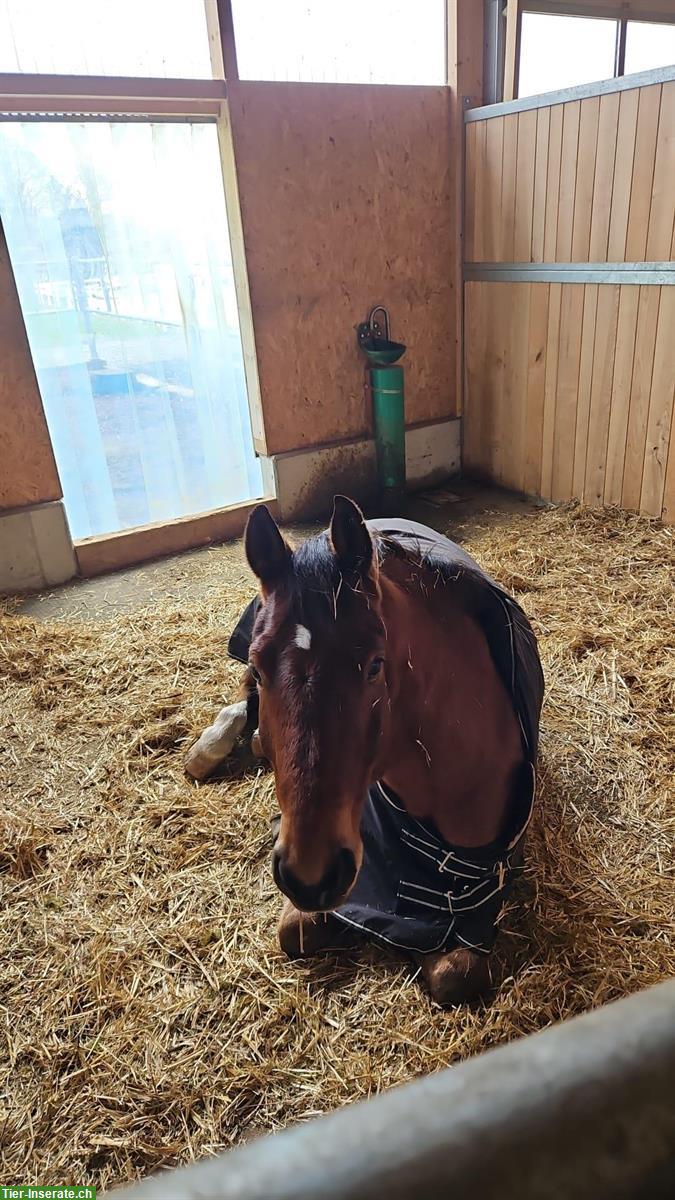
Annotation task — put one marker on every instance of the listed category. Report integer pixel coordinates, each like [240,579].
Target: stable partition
[569,306]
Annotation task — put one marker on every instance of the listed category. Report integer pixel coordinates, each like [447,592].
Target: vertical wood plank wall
[570,386]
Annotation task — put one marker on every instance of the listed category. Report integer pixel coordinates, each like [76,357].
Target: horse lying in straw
[396,691]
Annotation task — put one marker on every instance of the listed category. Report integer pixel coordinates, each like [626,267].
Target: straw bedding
[147,1015]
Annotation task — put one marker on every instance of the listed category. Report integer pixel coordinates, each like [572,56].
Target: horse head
[318,655]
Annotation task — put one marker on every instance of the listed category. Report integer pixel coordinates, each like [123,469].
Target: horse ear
[349,535]
[269,556]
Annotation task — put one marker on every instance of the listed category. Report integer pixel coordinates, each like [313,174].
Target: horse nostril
[322,895]
[338,877]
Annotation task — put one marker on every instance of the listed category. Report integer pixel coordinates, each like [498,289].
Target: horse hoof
[456,977]
[303,934]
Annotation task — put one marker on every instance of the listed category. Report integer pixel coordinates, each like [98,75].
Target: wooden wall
[570,391]
[586,181]
[346,201]
[570,385]
[28,472]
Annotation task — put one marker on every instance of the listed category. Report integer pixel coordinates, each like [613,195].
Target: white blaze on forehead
[303,638]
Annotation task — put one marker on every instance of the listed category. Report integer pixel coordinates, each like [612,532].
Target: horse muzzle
[330,891]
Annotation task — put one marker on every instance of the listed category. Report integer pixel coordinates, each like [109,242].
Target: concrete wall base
[36,550]
[305,481]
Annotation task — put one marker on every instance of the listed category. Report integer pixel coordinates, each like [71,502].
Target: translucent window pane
[649,46]
[560,52]
[321,41]
[160,38]
[119,243]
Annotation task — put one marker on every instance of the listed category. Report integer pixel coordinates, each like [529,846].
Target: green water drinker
[387,391]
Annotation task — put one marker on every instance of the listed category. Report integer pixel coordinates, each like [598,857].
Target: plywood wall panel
[347,198]
[28,472]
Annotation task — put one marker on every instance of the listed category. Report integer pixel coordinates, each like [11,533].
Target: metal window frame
[581,92]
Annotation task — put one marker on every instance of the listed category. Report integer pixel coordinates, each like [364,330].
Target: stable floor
[148,1016]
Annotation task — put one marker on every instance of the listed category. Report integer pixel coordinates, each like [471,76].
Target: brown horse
[397,693]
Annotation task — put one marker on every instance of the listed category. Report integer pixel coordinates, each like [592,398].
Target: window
[161,38]
[113,203]
[649,46]
[560,51]
[118,238]
[341,41]
[563,50]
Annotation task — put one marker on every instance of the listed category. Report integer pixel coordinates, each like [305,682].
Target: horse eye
[254,672]
[375,668]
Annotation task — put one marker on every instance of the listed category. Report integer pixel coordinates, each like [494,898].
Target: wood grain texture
[525,165]
[640,392]
[495,416]
[540,175]
[509,169]
[472,132]
[603,183]
[589,114]
[568,180]
[553,181]
[668,510]
[536,377]
[623,174]
[643,173]
[113,551]
[346,199]
[28,472]
[569,359]
[660,415]
[474,457]
[550,388]
[662,208]
[492,197]
[514,407]
[619,405]
[584,393]
[601,393]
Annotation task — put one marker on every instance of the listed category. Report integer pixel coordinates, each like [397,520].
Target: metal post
[585,1109]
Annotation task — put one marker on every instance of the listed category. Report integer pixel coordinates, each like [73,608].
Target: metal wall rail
[581,92]
[585,1109]
[571,272]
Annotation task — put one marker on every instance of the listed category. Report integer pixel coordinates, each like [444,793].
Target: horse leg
[455,977]
[218,740]
[303,934]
